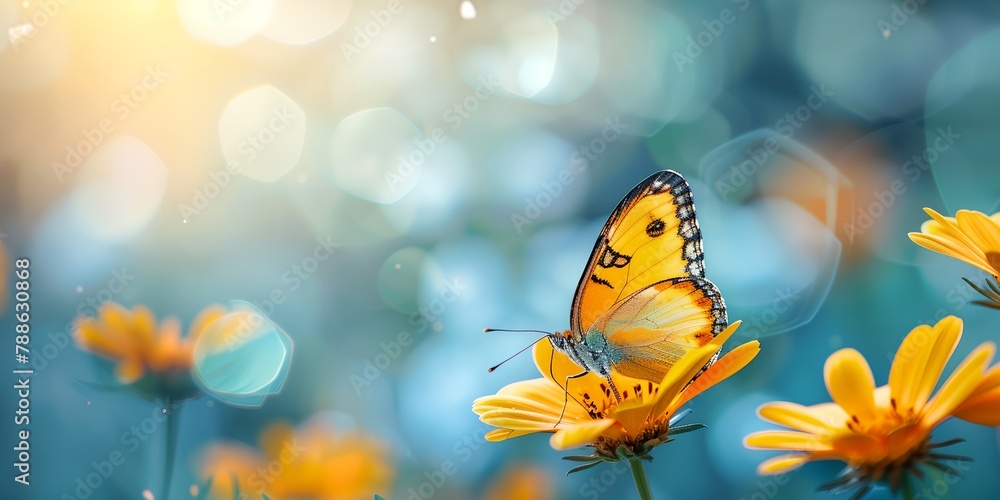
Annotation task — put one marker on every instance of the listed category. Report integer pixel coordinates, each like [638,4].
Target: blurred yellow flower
[882,433]
[314,462]
[592,416]
[137,344]
[970,236]
[520,482]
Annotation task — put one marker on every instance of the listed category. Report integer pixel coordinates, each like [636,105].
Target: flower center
[993,258]
[894,471]
[651,435]
[604,404]
[885,422]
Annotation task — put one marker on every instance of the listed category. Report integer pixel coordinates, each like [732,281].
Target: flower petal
[950,229]
[275,438]
[919,362]
[203,319]
[982,230]
[851,446]
[129,371]
[990,381]
[722,369]
[796,416]
[497,435]
[911,356]
[143,326]
[785,440]
[521,419]
[782,464]
[632,414]
[934,227]
[163,354]
[91,337]
[224,463]
[982,408]
[538,402]
[850,383]
[953,249]
[962,384]
[580,434]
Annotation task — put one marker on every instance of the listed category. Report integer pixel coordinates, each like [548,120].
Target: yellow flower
[881,433]
[137,344]
[592,416]
[313,462]
[970,236]
[520,482]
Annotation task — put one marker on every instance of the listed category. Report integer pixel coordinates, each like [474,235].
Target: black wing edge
[656,183]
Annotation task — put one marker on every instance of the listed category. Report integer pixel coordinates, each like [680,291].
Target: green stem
[639,476]
[173,418]
[907,490]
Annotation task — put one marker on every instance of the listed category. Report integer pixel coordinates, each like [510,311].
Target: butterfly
[643,300]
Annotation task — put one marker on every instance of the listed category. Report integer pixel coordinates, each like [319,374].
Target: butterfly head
[561,340]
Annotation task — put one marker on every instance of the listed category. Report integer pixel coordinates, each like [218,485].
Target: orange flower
[137,344]
[313,462]
[592,416]
[883,433]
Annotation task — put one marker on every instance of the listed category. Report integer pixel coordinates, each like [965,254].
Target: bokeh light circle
[34,49]
[399,279]
[873,75]
[262,132]
[299,22]
[378,154]
[242,357]
[224,22]
[785,198]
[961,128]
[119,188]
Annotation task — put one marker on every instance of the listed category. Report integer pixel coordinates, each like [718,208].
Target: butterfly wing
[652,328]
[652,235]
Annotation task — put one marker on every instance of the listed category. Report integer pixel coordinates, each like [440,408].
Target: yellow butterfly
[643,300]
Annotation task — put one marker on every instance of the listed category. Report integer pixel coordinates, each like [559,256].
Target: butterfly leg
[614,390]
[566,393]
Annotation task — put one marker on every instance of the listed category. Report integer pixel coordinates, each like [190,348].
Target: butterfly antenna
[487,330]
[494,367]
